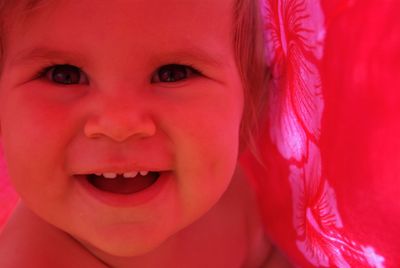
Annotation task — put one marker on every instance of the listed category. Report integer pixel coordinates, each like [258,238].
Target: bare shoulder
[8,248]
[262,253]
[276,260]
[258,245]
[27,241]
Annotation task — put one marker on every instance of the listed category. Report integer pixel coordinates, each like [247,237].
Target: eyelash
[44,72]
[189,71]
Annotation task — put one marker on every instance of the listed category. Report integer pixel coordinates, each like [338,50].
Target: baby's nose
[120,120]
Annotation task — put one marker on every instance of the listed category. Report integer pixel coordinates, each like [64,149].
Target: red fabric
[329,190]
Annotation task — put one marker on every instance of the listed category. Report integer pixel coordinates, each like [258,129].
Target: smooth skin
[117,108]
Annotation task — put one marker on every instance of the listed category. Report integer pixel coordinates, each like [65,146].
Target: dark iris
[173,73]
[65,74]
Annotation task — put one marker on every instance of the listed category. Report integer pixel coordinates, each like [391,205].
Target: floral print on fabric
[295,31]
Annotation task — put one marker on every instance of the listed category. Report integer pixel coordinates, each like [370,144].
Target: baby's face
[115,103]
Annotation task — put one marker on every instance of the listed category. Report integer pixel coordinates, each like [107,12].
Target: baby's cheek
[205,162]
[35,133]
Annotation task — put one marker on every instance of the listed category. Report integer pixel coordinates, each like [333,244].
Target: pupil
[172,73]
[66,74]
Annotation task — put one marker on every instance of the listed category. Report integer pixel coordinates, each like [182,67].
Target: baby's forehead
[187,16]
[127,30]
[19,9]
[151,7]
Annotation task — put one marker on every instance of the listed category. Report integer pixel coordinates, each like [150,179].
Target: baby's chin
[120,252]
[123,248]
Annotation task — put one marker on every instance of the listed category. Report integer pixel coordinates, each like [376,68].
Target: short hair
[248,42]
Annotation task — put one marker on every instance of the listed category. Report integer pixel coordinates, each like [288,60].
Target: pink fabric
[329,190]
[8,197]
[330,186]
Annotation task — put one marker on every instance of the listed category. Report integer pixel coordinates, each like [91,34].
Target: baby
[121,123]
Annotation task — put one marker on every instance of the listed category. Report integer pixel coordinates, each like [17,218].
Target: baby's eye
[173,73]
[65,74]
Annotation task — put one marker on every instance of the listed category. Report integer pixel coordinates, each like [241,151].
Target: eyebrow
[195,53]
[46,53]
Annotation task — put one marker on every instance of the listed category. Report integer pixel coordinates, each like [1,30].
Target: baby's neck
[225,237]
[28,241]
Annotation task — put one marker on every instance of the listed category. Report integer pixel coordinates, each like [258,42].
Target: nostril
[120,125]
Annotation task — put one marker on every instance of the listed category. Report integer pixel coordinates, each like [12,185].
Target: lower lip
[127,200]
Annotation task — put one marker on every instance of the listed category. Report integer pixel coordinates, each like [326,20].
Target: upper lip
[120,169]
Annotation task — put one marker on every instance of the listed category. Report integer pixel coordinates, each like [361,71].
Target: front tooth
[144,173]
[130,174]
[110,175]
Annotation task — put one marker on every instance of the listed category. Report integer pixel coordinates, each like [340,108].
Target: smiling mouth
[122,185]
